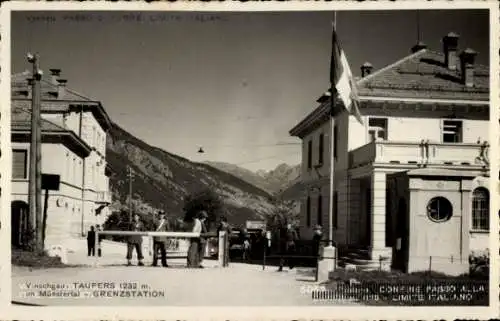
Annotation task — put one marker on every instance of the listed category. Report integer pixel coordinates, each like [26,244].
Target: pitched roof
[424,75]
[21,120]
[51,132]
[21,90]
[19,83]
[421,75]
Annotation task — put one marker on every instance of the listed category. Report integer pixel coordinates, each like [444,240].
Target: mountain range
[161,180]
[274,181]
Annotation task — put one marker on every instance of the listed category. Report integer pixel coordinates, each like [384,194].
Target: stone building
[411,185]
[73,146]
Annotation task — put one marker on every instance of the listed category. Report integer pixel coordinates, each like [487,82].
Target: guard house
[410,185]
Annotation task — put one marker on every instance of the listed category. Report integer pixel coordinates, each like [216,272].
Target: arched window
[439,209]
[481,209]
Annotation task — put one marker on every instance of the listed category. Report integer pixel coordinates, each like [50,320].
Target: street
[239,284]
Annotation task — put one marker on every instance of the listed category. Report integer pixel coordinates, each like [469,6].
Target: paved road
[239,284]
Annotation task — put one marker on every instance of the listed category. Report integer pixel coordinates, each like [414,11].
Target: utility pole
[35,177]
[130,176]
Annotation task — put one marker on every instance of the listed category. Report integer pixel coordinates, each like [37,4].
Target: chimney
[366,69]
[419,46]
[450,45]
[61,87]
[55,73]
[467,58]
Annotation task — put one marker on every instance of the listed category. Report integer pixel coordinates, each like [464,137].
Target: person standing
[225,227]
[91,242]
[99,239]
[203,240]
[193,224]
[159,242]
[135,241]
[317,236]
[290,247]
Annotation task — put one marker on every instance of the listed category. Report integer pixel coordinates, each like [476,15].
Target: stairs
[358,257]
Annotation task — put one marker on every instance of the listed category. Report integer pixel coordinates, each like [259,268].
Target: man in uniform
[135,241]
[289,240]
[159,242]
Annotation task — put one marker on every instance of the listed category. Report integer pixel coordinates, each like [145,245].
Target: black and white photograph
[321,158]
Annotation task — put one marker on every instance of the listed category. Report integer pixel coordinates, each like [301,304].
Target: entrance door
[402,233]
[19,222]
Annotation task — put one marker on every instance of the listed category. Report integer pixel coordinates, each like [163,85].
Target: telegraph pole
[35,177]
[130,175]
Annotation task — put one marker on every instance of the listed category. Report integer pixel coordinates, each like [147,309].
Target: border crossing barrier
[173,235]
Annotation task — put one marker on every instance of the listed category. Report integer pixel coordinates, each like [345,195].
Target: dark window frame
[320,210]
[450,136]
[481,209]
[25,152]
[321,149]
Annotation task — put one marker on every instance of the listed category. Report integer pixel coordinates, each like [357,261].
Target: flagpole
[332,147]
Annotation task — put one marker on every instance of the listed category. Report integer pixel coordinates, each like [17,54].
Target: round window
[439,209]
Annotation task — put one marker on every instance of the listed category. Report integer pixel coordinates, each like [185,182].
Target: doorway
[19,222]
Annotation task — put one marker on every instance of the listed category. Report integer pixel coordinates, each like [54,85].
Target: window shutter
[19,164]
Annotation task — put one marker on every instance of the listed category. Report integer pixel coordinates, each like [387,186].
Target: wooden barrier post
[222,248]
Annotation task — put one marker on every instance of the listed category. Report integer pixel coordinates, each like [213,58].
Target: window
[481,209]
[377,129]
[335,212]
[19,164]
[308,211]
[309,154]
[321,149]
[335,141]
[320,210]
[439,209]
[452,131]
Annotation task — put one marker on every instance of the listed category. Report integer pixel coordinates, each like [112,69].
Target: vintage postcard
[306,159]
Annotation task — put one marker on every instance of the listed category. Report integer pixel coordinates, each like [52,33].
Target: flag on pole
[341,78]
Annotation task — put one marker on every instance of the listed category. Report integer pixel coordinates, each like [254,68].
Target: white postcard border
[20,312]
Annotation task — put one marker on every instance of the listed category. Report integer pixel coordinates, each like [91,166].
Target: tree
[205,200]
[284,213]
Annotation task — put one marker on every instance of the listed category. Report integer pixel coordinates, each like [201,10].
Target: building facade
[73,146]
[411,185]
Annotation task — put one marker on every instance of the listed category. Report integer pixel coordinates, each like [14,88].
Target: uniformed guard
[135,241]
[159,242]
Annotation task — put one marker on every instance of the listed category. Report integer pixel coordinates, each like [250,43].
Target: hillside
[162,180]
[274,181]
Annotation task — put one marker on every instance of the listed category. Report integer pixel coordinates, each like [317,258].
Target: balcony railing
[424,153]
[104,197]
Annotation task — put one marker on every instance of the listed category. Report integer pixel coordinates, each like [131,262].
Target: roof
[19,82]
[21,90]
[51,132]
[424,75]
[21,120]
[419,75]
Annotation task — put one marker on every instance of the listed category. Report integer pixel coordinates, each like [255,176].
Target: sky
[232,83]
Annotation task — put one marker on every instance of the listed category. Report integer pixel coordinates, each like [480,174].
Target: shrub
[479,265]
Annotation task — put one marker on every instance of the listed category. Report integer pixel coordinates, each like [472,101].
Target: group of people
[196,222]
